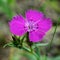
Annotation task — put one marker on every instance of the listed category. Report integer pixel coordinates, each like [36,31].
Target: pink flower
[35,23]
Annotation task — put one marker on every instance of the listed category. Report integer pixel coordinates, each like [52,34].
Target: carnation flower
[35,23]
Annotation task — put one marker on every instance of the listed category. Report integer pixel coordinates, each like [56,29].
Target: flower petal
[45,25]
[19,18]
[17,27]
[36,36]
[34,15]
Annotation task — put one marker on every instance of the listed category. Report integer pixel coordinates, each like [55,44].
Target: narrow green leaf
[26,49]
[8,44]
[39,44]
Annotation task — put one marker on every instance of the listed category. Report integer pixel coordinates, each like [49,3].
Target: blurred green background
[9,8]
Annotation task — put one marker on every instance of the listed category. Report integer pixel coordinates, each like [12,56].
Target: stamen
[36,22]
[31,25]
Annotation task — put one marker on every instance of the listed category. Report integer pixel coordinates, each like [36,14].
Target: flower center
[31,26]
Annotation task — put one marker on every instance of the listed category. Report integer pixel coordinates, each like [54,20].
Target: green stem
[31,49]
[53,36]
[51,42]
[30,45]
[33,53]
[28,41]
[37,57]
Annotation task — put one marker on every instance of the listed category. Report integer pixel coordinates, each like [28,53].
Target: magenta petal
[36,36]
[17,28]
[19,18]
[45,25]
[34,15]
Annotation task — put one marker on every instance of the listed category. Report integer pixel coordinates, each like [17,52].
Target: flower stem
[30,45]
[53,36]
[37,57]
[28,41]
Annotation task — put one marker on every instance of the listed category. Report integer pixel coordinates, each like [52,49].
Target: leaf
[39,44]
[8,44]
[37,49]
[26,49]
